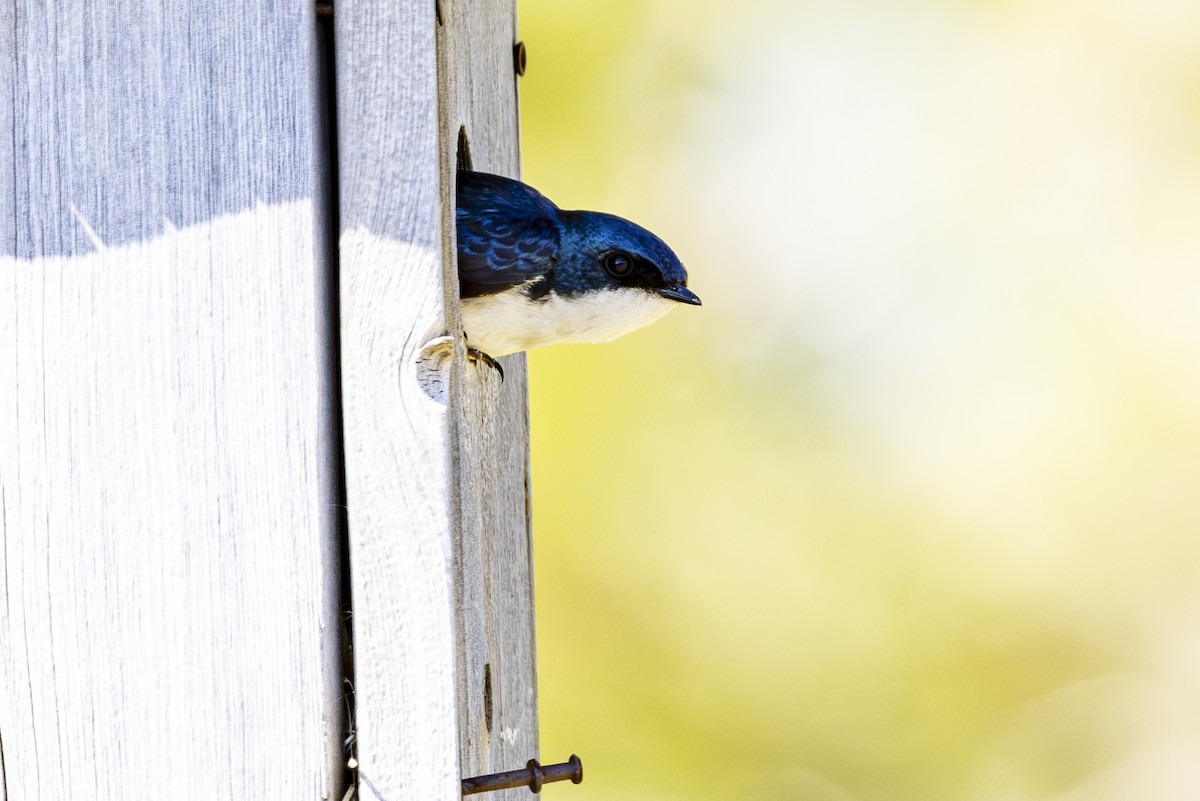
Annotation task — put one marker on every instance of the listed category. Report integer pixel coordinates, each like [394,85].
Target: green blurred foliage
[908,510]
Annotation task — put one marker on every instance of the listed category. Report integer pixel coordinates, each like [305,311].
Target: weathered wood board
[169,443]
[497,667]
[168,472]
[437,489]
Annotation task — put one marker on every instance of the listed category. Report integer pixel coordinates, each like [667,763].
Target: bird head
[605,252]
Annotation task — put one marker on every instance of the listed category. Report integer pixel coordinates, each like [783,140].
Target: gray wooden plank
[437,490]
[497,655]
[167,466]
[398,476]
[8,136]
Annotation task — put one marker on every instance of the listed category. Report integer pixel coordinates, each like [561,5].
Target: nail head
[519,58]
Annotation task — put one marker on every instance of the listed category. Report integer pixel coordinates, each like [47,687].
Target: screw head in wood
[519,58]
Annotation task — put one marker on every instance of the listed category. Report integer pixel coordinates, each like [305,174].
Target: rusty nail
[519,58]
[533,776]
[324,9]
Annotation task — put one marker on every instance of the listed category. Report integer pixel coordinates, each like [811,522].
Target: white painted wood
[168,613]
[437,486]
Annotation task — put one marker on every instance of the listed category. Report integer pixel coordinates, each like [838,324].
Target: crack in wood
[3,771]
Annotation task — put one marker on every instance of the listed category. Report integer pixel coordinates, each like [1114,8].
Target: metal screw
[519,58]
[533,777]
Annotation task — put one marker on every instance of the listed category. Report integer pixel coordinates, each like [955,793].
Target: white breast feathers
[509,321]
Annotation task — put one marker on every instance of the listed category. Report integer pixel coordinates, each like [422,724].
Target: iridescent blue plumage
[531,274]
[508,234]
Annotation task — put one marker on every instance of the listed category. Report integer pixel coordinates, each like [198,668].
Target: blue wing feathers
[508,234]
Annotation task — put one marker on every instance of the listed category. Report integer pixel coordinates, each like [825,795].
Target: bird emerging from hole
[532,274]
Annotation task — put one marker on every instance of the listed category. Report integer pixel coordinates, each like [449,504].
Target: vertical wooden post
[169,444]
[437,478]
[497,679]
[168,448]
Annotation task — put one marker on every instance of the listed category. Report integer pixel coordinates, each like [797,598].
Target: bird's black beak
[679,293]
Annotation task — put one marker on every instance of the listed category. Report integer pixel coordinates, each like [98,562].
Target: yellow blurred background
[910,509]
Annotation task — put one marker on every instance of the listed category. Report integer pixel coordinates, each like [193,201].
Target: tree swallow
[532,274]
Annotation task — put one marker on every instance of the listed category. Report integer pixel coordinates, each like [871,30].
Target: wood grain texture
[397,438]
[168,613]
[497,655]
[437,490]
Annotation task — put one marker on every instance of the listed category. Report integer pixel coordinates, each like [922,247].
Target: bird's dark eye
[618,265]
